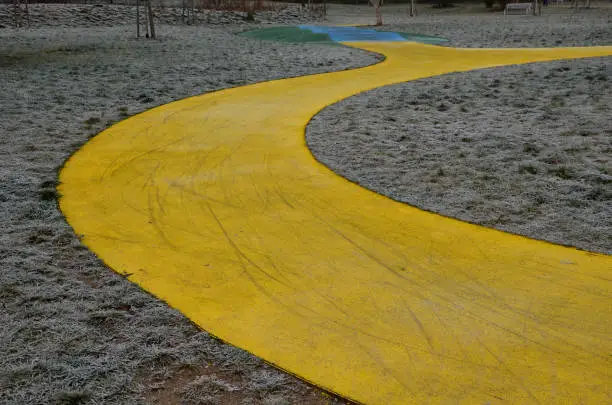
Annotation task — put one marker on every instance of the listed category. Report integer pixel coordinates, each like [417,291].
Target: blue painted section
[354,34]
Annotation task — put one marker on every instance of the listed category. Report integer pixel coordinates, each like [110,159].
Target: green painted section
[288,34]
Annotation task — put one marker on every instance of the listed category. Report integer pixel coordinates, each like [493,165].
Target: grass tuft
[531,169]
[48,194]
[71,398]
[91,121]
[562,172]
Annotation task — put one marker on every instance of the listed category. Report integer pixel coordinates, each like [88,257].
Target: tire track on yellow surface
[262,246]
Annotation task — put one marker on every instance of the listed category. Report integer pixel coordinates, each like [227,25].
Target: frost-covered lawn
[75,332]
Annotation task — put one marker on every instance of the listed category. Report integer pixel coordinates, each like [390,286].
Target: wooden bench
[527,7]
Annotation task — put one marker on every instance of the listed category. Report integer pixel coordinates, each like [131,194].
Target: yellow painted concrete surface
[215,205]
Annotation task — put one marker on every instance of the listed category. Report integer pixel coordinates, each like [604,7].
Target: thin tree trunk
[27,12]
[151,24]
[16,13]
[377,4]
[137,18]
[146,18]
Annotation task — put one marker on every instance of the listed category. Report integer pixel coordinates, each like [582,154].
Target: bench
[527,7]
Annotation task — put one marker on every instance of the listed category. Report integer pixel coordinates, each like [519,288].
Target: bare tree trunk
[146,19]
[377,4]
[151,24]
[413,10]
[137,18]
[21,13]
[27,12]
[16,13]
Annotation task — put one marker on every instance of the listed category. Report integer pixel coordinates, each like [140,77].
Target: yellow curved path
[215,205]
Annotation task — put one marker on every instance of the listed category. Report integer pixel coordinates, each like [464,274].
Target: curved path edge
[215,205]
